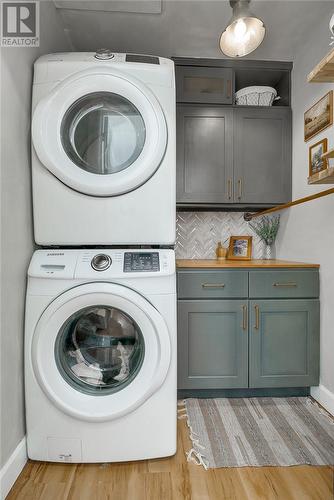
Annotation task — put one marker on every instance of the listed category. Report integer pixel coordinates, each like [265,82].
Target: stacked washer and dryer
[100,338]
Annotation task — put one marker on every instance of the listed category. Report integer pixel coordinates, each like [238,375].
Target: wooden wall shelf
[323,177]
[324,71]
[328,154]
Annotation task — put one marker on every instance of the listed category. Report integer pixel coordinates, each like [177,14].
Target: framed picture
[316,163]
[240,248]
[319,116]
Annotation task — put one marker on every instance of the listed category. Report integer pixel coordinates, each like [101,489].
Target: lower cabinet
[213,344]
[253,342]
[284,343]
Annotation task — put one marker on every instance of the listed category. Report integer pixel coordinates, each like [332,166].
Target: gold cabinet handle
[257,317]
[244,317]
[228,88]
[213,285]
[229,188]
[239,189]
[288,284]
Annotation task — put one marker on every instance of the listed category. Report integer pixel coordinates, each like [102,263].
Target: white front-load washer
[103,149]
[100,355]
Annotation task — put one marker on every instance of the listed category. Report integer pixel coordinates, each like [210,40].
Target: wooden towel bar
[249,216]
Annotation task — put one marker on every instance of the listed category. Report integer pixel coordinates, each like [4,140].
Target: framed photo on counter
[240,248]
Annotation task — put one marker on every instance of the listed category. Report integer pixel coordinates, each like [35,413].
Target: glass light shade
[242,36]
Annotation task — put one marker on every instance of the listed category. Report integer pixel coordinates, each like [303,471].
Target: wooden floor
[171,479]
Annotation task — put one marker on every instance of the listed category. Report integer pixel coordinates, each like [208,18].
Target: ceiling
[186,27]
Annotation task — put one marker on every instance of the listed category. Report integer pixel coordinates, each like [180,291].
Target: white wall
[307,232]
[16,218]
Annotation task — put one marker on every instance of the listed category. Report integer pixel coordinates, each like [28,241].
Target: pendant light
[244,32]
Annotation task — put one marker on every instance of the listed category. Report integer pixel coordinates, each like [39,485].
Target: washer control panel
[101,262]
[141,262]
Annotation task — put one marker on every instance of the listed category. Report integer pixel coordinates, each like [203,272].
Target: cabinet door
[262,155]
[212,344]
[204,85]
[204,154]
[284,343]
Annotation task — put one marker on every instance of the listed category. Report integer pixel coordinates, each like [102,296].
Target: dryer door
[100,132]
[100,350]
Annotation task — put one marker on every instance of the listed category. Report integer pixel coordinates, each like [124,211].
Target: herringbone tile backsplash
[197,233]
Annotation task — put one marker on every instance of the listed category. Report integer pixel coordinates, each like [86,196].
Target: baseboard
[274,392]
[324,397]
[12,468]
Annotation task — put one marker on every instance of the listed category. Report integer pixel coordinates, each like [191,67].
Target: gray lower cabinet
[262,155]
[257,330]
[284,343]
[213,344]
[204,154]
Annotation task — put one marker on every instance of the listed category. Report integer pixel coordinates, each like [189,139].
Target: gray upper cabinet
[228,154]
[213,344]
[238,155]
[204,85]
[204,154]
[284,343]
[262,155]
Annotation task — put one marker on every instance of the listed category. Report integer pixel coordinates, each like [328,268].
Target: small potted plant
[267,228]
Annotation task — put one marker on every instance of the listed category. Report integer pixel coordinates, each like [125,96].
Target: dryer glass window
[99,350]
[103,133]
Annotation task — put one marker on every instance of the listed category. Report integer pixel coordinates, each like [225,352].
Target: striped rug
[259,431]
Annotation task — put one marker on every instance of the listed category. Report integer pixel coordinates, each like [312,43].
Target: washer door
[100,350]
[100,132]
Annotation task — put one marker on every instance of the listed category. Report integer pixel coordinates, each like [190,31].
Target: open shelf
[323,177]
[277,78]
[324,71]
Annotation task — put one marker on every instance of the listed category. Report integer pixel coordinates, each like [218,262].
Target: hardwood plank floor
[171,479]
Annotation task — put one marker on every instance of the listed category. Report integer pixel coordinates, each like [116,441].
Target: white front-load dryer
[100,355]
[103,149]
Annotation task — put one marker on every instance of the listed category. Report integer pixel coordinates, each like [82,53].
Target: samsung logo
[59,253]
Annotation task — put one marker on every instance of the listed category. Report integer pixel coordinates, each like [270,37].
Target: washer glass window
[103,133]
[99,350]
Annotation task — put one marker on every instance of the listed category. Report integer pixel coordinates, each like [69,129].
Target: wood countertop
[240,264]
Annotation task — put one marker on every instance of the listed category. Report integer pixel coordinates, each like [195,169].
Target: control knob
[104,54]
[101,262]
